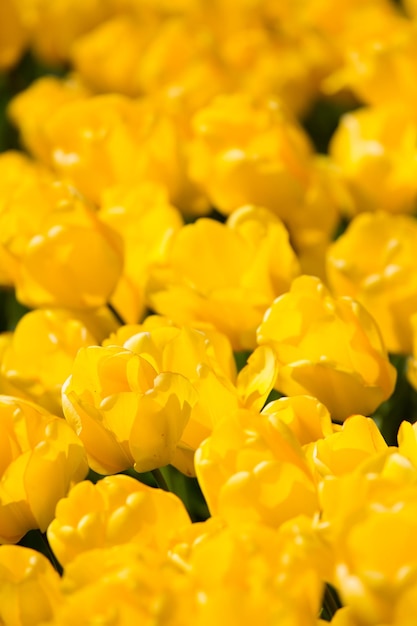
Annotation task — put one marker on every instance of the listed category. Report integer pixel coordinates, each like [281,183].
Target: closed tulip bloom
[330,348]
[29,587]
[53,28]
[39,353]
[376,565]
[374,262]
[125,411]
[73,261]
[116,510]
[381,479]
[30,108]
[343,451]
[375,150]
[26,189]
[308,419]
[53,246]
[236,270]
[249,152]
[204,356]
[253,469]
[108,140]
[367,522]
[145,220]
[40,458]
[124,585]
[380,70]
[252,573]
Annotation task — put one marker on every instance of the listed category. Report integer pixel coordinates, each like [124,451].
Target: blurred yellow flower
[32,107]
[245,152]
[40,458]
[13,36]
[254,574]
[145,220]
[250,53]
[380,69]
[108,57]
[41,350]
[374,262]
[328,348]
[74,260]
[53,247]
[225,274]
[375,149]
[25,200]
[252,469]
[376,565]
[216,573]
[144,588]
[108,140]
[375,478]
[54,26]
[173,60]
[29,587]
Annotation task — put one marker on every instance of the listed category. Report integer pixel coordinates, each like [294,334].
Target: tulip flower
[328,348]
[40,458]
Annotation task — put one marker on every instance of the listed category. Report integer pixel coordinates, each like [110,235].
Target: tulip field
[208,312]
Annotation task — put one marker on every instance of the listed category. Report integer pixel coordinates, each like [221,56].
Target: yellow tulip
[253,469]
[53,28]
[39,353]
[375,150]
[125,411]
[30,108]
[254,574]
[374,262]
[144,587]
[117,510]
[236,270]
[109,140]
[328,348]
[73,261]
[204,356]
[13,36]
[40,458]
[145,220]
[246,152]
[30,589]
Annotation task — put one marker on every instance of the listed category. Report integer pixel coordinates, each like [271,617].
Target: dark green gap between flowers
[322,119]
[11,311]
[401,406]
[13,82]
[36,540]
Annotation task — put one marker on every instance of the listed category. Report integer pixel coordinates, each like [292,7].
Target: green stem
[48,552]
[160,480]
[116,314]
[331,602]
[400,406]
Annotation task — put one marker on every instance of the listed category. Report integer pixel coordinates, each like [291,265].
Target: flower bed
[208,356]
